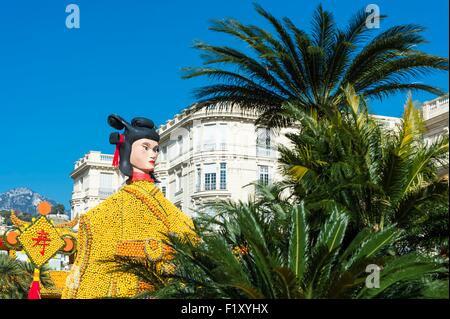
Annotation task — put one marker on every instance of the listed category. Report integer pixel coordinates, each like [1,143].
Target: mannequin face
[144,153]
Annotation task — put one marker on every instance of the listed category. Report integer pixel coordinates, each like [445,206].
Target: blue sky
[57,85]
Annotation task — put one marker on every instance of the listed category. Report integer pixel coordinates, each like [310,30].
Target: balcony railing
[94,157]
[105,192]
[161,165]
[214,147]
[265,152]
[212,193]
[209,146]
[435,108]
[106,158]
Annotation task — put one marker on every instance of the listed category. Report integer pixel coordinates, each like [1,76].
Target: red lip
[152,162]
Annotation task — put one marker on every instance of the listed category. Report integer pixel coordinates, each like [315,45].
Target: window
[263,174]
[106,185]
[210,181]
[223,175]
[106,180]
[210,176]
[209,140]
[263,141]
[85,183]
[178,182]
[196,138]
[263,137]
[223,134]
[172,151]
[163,153]
[198,181]
[180,144]
[163,186]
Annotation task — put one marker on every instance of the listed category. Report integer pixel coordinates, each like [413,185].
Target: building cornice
[436,99]
[189,114]
[85,166]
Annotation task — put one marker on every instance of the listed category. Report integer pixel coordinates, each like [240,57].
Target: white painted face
[144,153]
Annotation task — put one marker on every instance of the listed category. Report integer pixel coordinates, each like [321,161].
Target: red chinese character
[42,240]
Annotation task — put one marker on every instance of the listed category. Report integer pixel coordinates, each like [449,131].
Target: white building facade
[215,154]
[94,180]
[435,115]
[204,156]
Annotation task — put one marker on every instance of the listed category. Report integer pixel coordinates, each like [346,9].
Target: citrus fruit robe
[131,222]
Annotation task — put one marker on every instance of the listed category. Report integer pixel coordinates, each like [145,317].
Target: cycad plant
[355,199]
[266,249]
[308,69]
[379,176]
[16,277]
[13,278]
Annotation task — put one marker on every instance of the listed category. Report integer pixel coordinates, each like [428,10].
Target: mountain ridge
[25,200]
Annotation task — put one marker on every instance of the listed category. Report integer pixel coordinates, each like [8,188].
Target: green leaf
[376,242]
[334,229]
[410,269]
[299,241]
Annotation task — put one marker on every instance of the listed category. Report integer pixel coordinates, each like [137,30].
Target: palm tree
[265,249]
[381,177]
[431,233]
[16,277]
[44,274]
[13,279]
[309,70]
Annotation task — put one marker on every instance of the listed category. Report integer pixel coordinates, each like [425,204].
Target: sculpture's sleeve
[179,222]
[98,230]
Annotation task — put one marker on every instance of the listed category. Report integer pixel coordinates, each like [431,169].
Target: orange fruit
[44,208]
[11,237]
[69,244]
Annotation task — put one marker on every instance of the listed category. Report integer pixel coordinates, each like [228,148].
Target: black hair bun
[114,138]
[116,121]
[142,122]
[139,128]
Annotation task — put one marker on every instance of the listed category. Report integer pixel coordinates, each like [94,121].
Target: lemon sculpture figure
[132,222]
